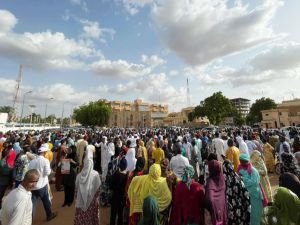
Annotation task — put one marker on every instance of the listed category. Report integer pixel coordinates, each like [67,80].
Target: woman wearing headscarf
[258,163]
[150,212]
[87,194]
[168,174]
[268,151]
[188,202]
[284,211]
[288,161]
[251,180]
[152,184]
[291,182]
[138,171]
[237,196]
[130,156]
[118,182]
[215,197]
[69,179]
[144,153]
[61,153]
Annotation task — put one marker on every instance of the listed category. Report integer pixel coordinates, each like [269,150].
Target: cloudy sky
[76,51]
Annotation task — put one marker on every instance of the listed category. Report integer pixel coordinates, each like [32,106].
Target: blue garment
[251,182]
[17,148]
[43,194]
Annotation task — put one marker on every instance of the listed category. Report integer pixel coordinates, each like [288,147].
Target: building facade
[242,105]
[181,119]
[287,113]
[136,114]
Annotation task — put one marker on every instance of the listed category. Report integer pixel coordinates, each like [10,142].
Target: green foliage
[255,115]
[216,108]
[93,114]
[6,109]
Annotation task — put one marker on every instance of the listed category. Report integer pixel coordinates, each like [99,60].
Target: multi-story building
[242,105]
[181,119]
[287,113]
[136,114]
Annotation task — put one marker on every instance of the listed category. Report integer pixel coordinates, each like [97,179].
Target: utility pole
[19,81]
[188,93]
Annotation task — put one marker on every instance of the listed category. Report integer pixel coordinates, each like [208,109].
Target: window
[280,113]
[266,114]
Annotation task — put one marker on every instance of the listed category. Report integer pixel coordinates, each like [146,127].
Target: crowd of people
[152,176]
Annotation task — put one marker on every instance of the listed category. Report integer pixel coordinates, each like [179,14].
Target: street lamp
[46,107]
[32,107]
[62,115]
[28,92]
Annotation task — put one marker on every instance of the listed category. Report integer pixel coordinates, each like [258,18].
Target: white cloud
[92,30]
[153,60]
[280,61]
[119,68]
[173,73]
[7,21]
[201,31]
[134,6]
[42,50]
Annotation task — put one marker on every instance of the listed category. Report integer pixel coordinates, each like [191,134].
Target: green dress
[284,211]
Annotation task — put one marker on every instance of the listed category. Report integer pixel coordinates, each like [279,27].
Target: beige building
[182,119]
[242,105]
[287,113]
[136,114]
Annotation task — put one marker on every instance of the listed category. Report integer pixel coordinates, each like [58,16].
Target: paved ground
[66,214]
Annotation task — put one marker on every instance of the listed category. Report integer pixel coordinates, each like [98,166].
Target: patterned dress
[91,215]
[237,197]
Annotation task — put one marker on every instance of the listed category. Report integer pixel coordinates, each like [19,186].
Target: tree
[215,107]
[93,114]
[10,110]
[255,115]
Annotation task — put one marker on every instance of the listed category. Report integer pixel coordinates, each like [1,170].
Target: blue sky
[77,51]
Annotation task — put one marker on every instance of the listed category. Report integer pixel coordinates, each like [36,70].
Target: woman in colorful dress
[215,197]
[237,196]
[87,193]
[152,184]
[269,155]
[188,202]
[251,180]
[150,212]
[258,163]
[284,211]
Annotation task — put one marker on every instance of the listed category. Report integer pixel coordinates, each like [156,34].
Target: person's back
[17,204]
[158,155]
[178,163]
[188,204]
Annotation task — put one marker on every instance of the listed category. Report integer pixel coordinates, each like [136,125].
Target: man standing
[218,147]
[17,206]
[42,165]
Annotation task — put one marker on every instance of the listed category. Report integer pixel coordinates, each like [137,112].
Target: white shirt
[189,148]
[17,207]
[178,163]
[218,148]
[42,165]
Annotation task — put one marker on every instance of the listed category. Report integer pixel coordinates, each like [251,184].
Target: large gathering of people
[161,176]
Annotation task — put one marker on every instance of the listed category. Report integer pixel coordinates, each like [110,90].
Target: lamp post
[32,107]
[28,92]
[46,107]
[62,115]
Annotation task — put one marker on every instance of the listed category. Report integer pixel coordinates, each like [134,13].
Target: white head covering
[87,182]
[131,160]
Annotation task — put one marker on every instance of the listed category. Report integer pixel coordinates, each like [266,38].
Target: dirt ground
[66,214]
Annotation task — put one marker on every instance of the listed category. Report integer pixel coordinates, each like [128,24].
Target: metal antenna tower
[188,93]
[19,81]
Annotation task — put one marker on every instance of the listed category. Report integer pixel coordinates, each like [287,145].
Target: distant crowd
[157,176]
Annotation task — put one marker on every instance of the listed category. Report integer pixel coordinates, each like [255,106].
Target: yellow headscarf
[152,184]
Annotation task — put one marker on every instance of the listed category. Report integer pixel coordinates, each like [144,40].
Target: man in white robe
[17,206]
